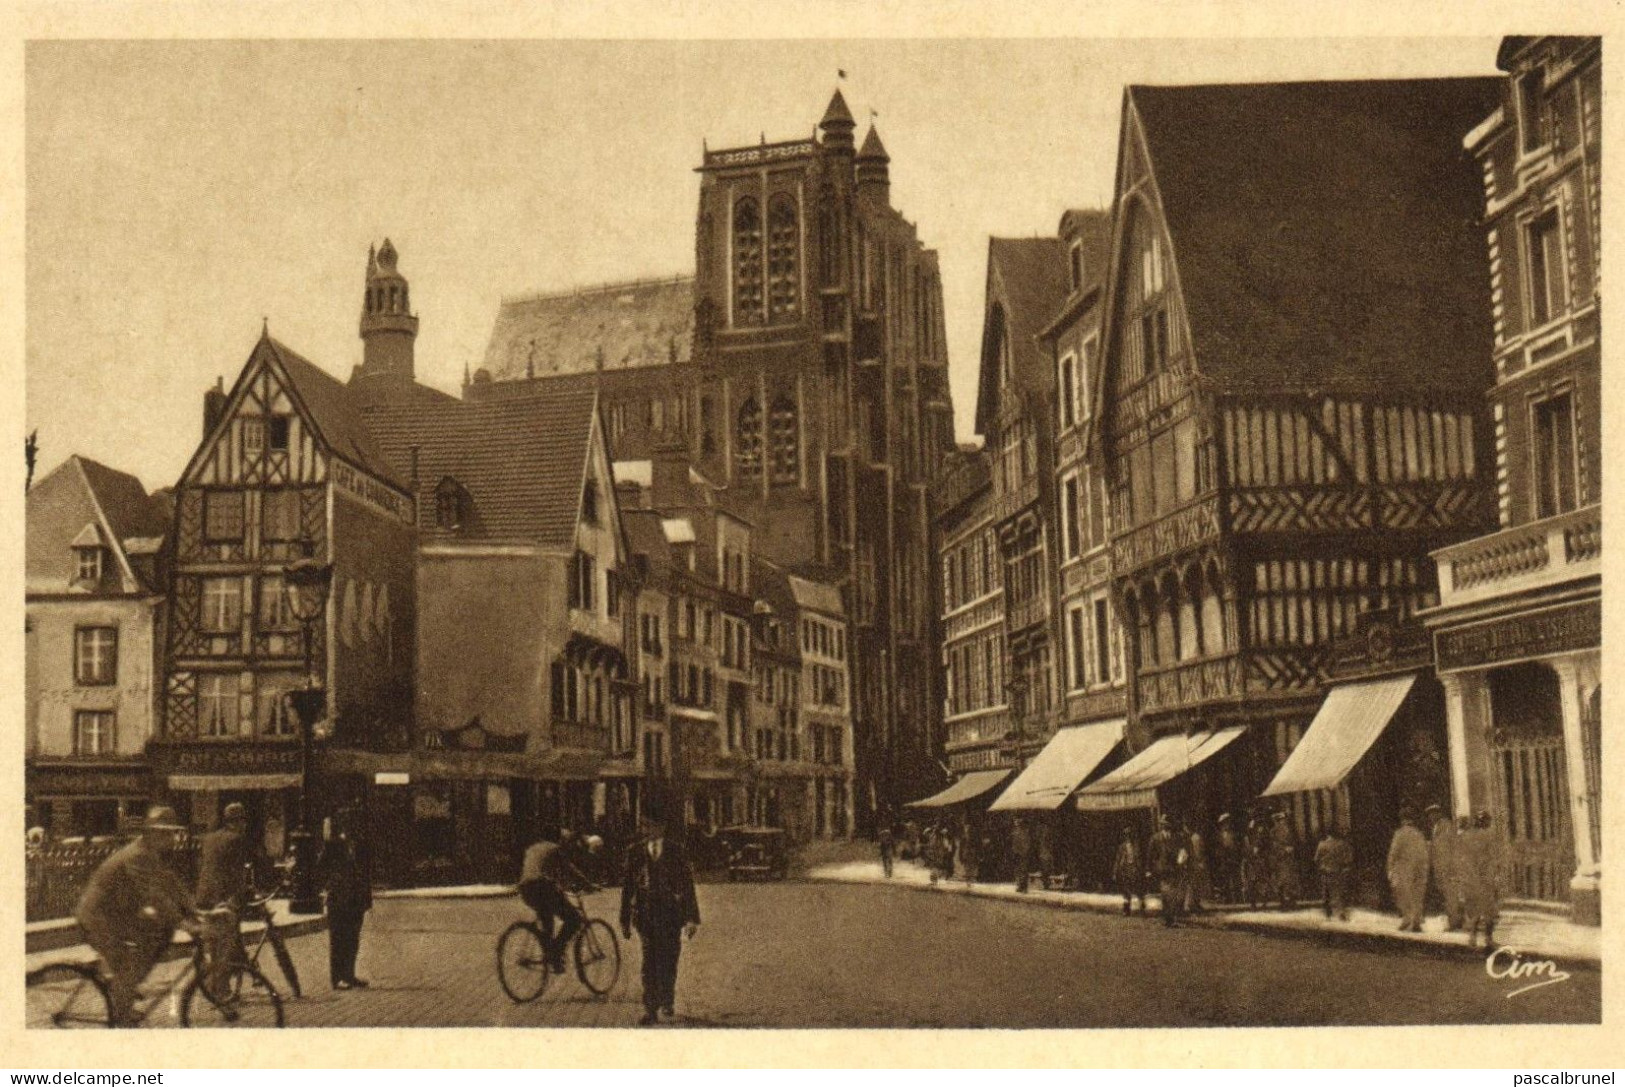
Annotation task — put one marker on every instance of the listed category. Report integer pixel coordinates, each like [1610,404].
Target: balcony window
[1546,294]
[1554,457]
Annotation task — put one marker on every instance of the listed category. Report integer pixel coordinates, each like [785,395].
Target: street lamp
[307,583]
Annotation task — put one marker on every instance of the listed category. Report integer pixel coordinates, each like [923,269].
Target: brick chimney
[668,484]
[214,405]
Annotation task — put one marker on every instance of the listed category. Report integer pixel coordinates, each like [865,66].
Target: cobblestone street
[827,955]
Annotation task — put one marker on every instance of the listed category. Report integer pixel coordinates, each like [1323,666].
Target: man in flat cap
[132,906]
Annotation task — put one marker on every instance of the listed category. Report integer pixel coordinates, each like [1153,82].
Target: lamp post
[307,583]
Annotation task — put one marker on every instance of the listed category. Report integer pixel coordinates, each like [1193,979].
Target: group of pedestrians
[1461,859]
[1190,871]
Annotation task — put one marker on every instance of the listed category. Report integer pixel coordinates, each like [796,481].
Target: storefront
[200,778]
[78,798]
[1069,844]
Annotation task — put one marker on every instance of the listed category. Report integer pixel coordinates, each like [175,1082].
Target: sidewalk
[1531,933]
[58,941]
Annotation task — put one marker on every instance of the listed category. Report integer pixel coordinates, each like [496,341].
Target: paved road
[833,955]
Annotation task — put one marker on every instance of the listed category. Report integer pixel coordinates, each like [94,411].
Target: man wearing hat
[1167,859]
[1284,860]
[1408,872]
[132,906]
[1227,861]
[1444,855]
[345,871]
[1480,860]
[658,899]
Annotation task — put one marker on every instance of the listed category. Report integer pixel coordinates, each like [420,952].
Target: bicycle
[522,964]
[74,995]
[259,909]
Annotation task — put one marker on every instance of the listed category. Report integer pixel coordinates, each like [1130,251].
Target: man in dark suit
[345,871]
[658,899]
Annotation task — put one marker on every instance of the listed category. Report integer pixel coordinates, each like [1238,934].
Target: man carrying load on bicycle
[547,873]
[132,906]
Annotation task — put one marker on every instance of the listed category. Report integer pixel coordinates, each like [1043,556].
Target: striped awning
[1135,783]
[1348,723]
[974,784]
[1070,756]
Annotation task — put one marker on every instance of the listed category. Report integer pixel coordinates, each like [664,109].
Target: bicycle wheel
[242,998]
[67,996]
[284,961]
[522,962]
[598,956]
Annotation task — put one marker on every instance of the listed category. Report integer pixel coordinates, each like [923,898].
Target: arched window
[785,441]
[1212,613]
[747,262]
[748,443]
[783,259]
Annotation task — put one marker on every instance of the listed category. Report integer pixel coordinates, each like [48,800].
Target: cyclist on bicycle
[229,867]
[550,869]
[132,906]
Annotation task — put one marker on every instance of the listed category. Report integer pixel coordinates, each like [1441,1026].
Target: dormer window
[1075,265]
[589,503]
[448,504]
[88,564]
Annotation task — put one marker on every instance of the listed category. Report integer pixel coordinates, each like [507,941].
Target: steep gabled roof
[336,411]
[1327,235]
[84,501]
[521,460]
[129,510]
[1027,277]
[1091,228]
[645,536]
[619,326]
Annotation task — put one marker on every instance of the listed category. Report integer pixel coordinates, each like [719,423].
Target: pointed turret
[837,125]
[388,329]
[873,170]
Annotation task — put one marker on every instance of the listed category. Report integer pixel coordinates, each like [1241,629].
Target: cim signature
[1508,964]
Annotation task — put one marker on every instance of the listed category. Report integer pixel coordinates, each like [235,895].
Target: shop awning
[1349,722]
[192,783]
[972,785]
[1135,783]
[1070,756]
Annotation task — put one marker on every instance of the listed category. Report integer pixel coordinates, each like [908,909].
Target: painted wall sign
[1537,634]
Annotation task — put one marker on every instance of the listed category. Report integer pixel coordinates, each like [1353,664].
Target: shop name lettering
[236,759]
[370,490]
[1573,629]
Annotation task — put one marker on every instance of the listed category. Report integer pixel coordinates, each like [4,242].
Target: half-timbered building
[287,468]
[1294,355]
[1519,633]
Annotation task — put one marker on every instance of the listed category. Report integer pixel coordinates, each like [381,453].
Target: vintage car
[756,852]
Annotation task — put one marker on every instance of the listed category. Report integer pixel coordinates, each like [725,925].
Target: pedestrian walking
[1021,845]
[1408,872]
[345,873]
[1284,861]
[1167,857]
[1480,858]
[947,851]
[1334,860]
[658,900]
[886,849]
[1255,862]
[1198,888]
[1444,848]
[1227,855]
[1128,871]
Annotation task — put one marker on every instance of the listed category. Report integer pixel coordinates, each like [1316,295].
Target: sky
[180,193]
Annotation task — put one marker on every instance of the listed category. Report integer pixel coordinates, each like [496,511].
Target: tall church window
[829,249]
[783,259]
[747,262]
[785,441]
[748,447]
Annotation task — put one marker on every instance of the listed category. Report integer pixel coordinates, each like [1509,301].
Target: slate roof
[1327,236]
[129,510]
[643,323]
[521,461]
[338,413]
[644,536]
[1029,277]
[63,505]
[1092,227]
